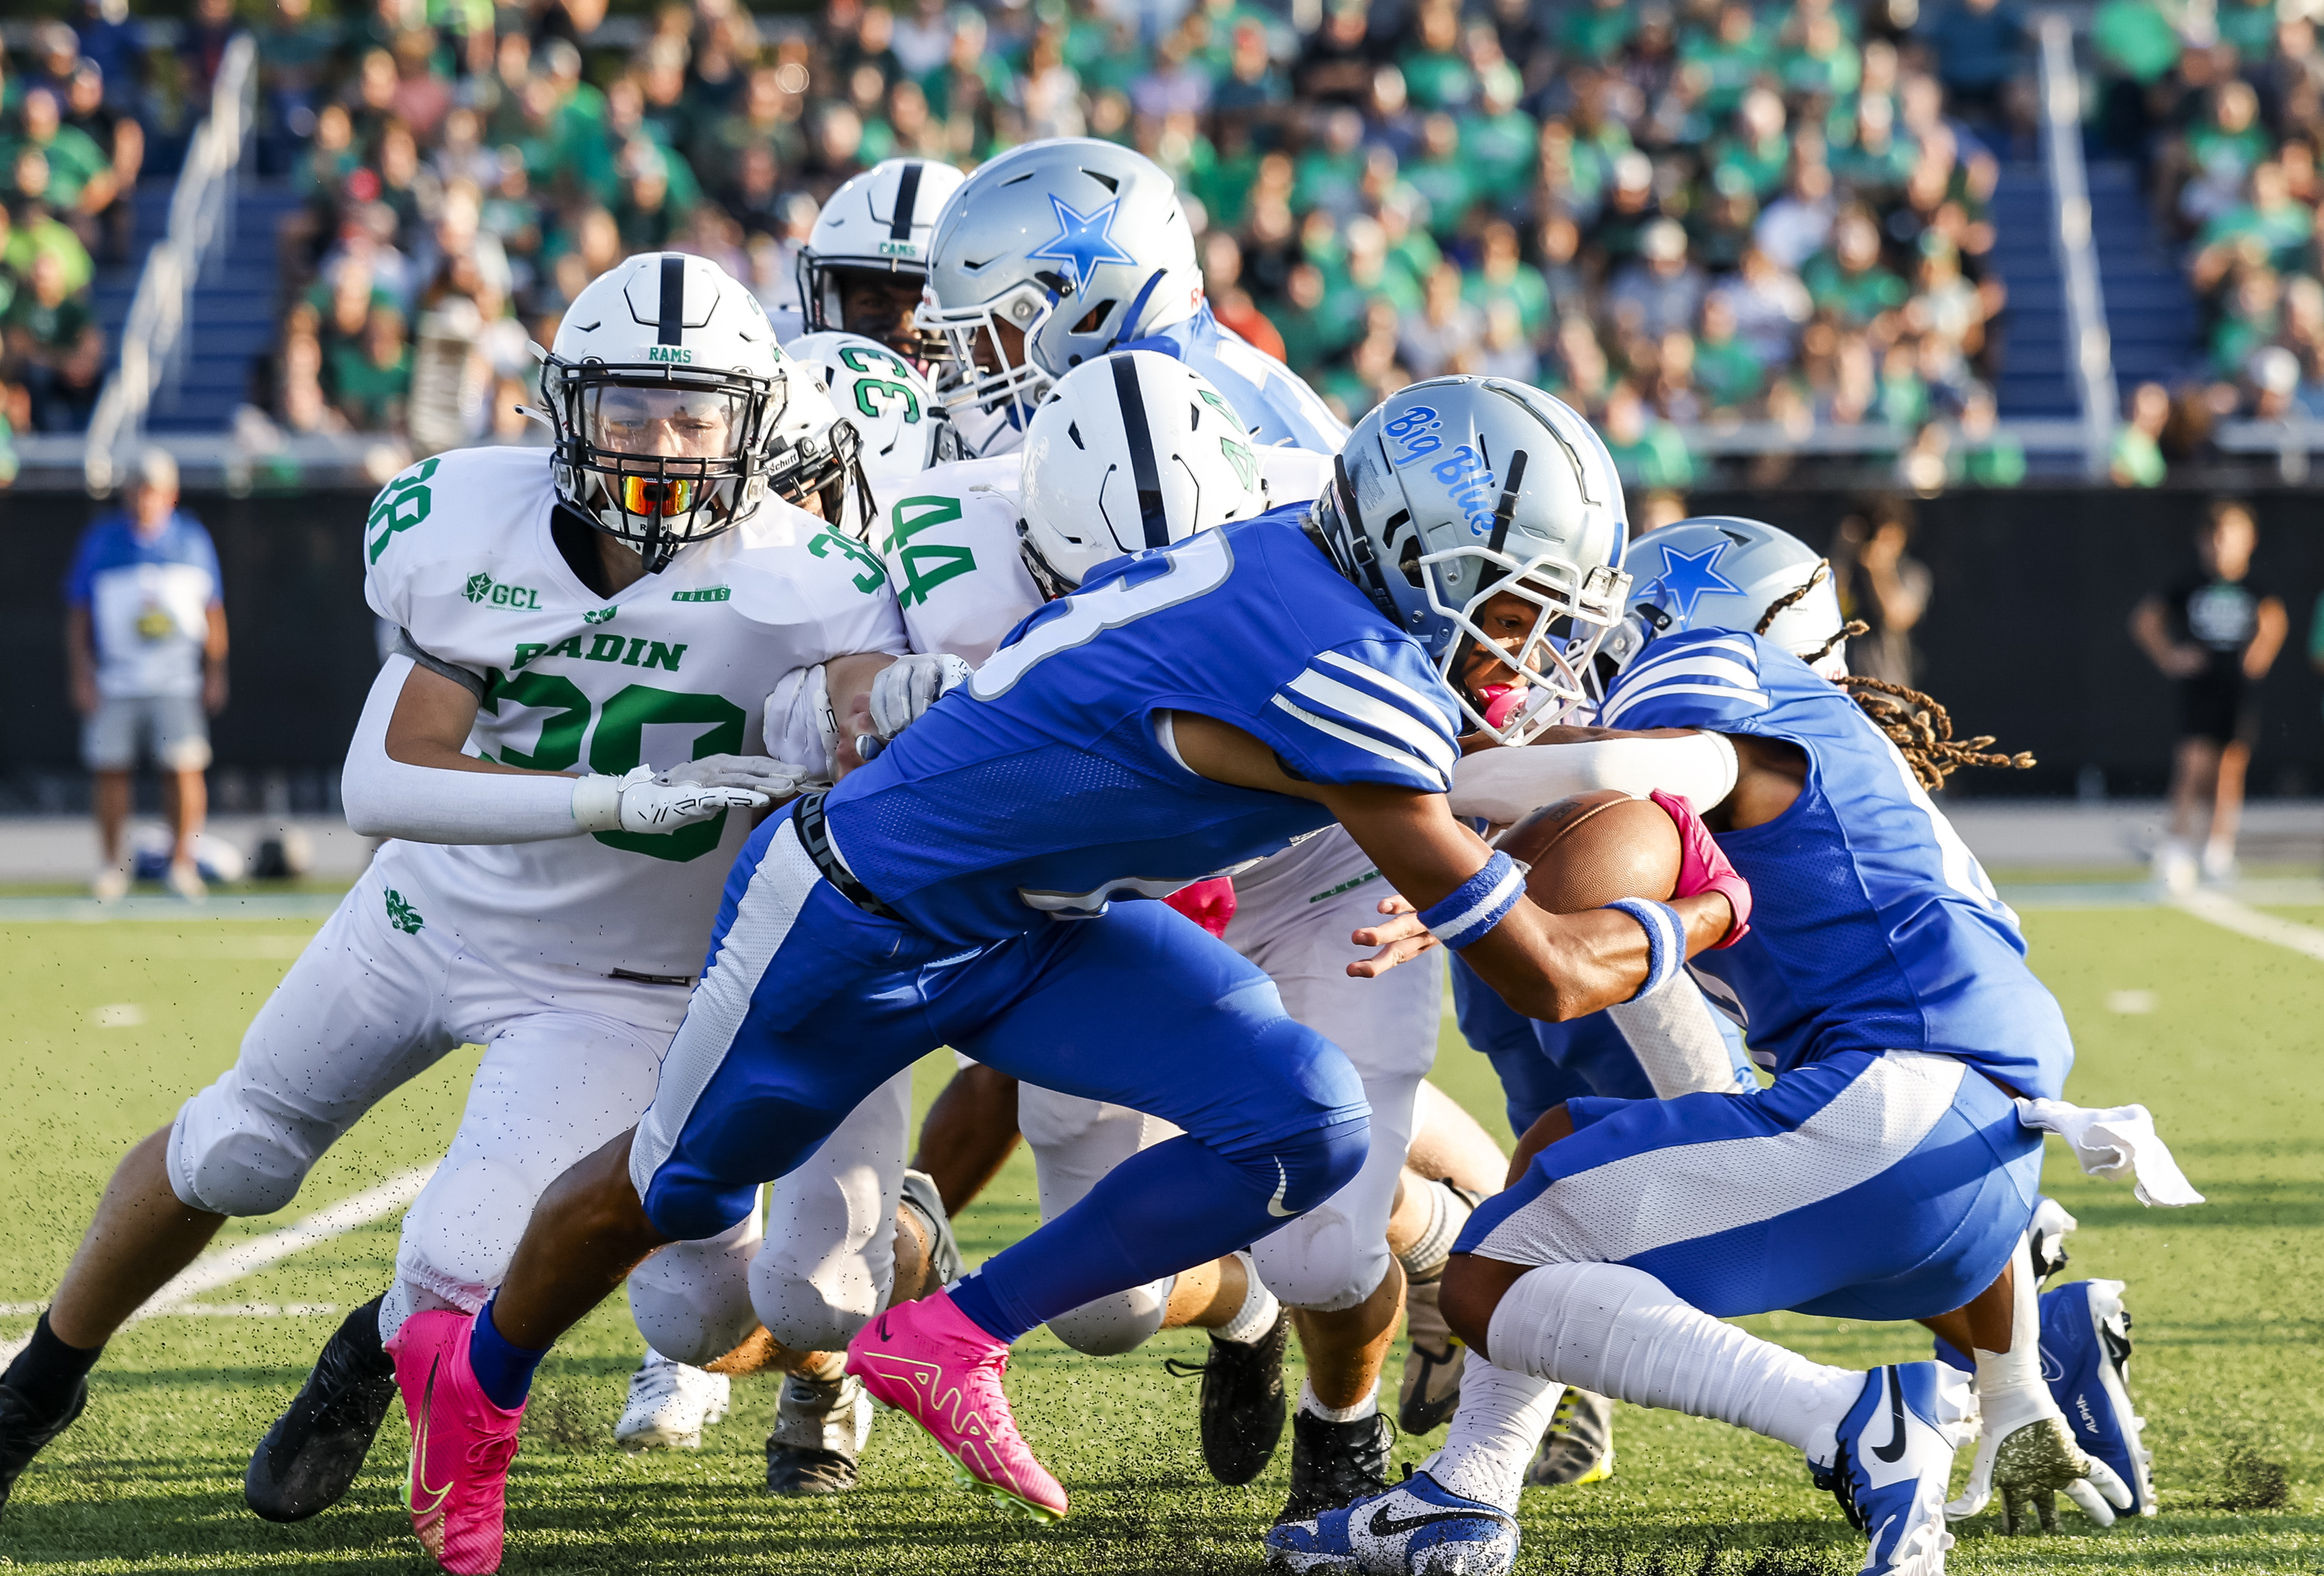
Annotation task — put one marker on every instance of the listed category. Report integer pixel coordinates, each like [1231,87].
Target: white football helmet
[675,413]
[1718,572]
[1454,492]
[879,222]
[901,428]
[1076,245]
[1133,451]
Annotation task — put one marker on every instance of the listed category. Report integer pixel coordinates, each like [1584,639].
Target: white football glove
[903,691]
[778,779]
[636,802]
[798,725]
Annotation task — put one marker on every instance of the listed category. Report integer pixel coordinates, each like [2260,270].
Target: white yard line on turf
[2225,912]
[224,1265]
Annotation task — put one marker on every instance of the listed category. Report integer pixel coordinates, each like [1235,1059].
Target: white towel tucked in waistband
[2119,1144]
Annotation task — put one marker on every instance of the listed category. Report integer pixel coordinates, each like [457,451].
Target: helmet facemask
[971,336]
[1542,680]
[823,303]
[660,457]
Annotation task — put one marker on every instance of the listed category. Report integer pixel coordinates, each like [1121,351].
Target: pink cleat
[461,1444]
[934,1364]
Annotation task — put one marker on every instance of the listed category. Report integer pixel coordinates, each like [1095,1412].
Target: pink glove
[1703,868]
[1209,904]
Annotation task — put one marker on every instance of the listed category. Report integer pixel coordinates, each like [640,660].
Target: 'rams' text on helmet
[675,413]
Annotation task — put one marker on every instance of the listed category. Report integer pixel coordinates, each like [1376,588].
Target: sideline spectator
[2137,457]
[145,644]
[1880,583]
[2217,633]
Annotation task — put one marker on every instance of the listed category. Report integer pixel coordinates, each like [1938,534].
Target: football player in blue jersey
[1057,251]
[1225,695]
[1890,1172]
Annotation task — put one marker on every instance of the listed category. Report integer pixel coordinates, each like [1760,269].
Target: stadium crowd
[2222,108]
[1666,214]
[1663,214]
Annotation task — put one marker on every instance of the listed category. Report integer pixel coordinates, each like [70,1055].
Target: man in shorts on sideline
[145,644]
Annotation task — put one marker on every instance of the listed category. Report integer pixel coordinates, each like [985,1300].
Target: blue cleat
[2086,1360]
[1895,1457]
[1417,1528]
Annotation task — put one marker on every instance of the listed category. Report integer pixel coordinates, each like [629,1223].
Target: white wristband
[597,803]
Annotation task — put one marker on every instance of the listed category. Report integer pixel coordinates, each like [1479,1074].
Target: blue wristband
[1478,904]
[1665,940]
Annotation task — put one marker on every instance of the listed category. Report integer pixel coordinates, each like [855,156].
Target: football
[1595,847]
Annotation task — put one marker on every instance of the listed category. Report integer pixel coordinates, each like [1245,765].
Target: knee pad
[232,1151]
[692,1300]
[463,1227]
[1112,1325]
[1320,1261]
[815,1305]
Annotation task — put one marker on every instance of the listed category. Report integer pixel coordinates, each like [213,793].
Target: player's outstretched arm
[1544,965]
[408,775]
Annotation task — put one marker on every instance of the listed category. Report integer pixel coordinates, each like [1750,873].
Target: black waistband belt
[815,836]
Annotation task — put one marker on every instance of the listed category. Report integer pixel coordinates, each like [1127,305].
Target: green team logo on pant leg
[402,915]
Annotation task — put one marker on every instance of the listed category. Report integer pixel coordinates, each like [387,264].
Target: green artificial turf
[2216,1033]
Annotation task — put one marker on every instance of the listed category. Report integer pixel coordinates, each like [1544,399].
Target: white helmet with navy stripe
[901,428]
[1719,572]
[674,410]
[1134,450]
[1079,245]
[880,222]
[1454,492]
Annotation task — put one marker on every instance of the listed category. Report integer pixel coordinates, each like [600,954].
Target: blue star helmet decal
[1686,579]
[1083,241]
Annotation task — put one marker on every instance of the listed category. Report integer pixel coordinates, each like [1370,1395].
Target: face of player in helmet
[1487,669]
[879,306]
[666,422]
[999,346]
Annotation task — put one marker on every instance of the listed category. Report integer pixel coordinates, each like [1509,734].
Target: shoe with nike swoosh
[462,1444]
[1417,1528]
[2086,1362]
[1894,1460]
[937,1367]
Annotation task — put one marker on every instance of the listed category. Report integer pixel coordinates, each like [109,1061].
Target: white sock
[1424,1261]
[1620,1332]
[1259,1312]
[1502,1418]
[2015,1375]
[1362,1409]
[402,1301]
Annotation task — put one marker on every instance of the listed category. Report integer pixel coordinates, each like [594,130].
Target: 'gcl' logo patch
[483,590]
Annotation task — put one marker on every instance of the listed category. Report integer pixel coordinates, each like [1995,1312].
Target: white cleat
[1895,1455]
[670,1404]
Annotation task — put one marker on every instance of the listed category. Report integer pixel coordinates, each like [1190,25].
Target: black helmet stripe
[1142,465]
[673,299]
[908,201]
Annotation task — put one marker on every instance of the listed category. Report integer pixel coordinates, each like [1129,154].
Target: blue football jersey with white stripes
[1874,927]
[1048,786]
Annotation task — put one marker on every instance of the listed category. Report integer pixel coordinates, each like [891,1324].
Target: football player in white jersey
[865,260]
[1058,252]
[564,751]
[902,426]
[1135,450]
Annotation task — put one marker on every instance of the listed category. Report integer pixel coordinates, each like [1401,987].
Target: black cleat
[797,1471]
[821,1426]
[944,1248]
[309,1460]
[1334,1463]
[1243,1401]
[24,1433]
